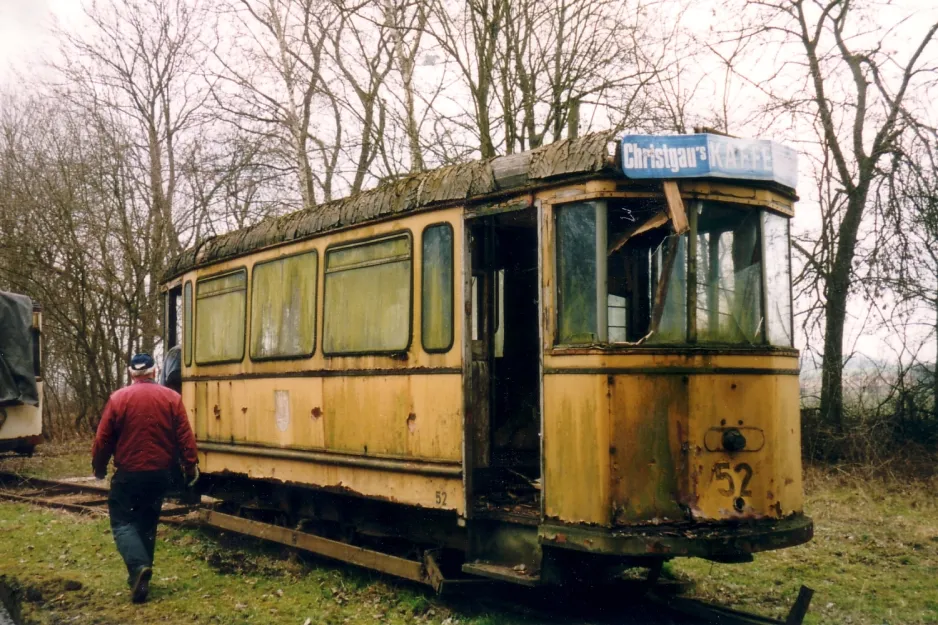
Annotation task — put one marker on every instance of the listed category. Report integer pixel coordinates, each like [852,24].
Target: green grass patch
[873,559]
[52,460]
[198,578]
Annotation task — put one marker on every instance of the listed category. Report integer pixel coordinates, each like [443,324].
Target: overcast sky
[26,37]
[25,31]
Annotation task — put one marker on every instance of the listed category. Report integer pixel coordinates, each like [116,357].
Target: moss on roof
[441,186]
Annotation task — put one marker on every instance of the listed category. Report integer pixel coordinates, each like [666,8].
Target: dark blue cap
[142,362]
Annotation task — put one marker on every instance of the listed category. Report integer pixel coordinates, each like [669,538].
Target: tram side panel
[410,424]
[385,427]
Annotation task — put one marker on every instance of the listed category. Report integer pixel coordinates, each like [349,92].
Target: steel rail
[59,494]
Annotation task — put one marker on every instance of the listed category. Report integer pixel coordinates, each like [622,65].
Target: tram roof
[451,185]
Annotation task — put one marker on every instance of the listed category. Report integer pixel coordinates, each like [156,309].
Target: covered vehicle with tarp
[20,373]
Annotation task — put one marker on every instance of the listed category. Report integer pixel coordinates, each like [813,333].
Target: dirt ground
[874,560]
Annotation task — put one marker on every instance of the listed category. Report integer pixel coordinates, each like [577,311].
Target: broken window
[637,290]
[367,307]
[220,308]
[729,275]
[437,288]
[283,307]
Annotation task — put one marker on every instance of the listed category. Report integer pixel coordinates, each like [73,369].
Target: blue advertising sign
[708,156]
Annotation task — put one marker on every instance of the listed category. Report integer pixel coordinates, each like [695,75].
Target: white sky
[26,33]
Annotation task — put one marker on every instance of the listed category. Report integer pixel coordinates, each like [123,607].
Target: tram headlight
[733,440]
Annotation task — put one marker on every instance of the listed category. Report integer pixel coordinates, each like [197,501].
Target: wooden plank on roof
[675,207]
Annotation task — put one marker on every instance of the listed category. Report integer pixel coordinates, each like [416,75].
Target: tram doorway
[504,390]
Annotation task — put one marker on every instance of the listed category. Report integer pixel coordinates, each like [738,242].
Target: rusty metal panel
[763,478]
[576,448]
[649,415]
[443,493]
[359,556]
[400,416]
[394,415]
[658,421]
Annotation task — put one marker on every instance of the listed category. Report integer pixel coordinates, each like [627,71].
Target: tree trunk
[838,291]
[935,370]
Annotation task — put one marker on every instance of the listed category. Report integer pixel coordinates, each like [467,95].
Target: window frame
[195,308]
[765,279]
[188,349]
[315,252]
[689,342]
[762,339]
[598,205]
[410,317]
[452,273]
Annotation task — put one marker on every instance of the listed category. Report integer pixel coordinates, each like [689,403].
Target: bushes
[887,420]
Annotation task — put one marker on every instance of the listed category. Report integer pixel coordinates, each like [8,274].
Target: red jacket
[145,428]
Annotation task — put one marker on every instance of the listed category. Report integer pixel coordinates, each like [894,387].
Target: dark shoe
[138,594]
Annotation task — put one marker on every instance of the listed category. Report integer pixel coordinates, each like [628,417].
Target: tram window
[172,318]
[729,276]
[499,338]
[643,277]
[668,318]
[437,288]
[220,304]
[367,307]
[499,317]
[187,324]
[777,279]
[283,307]
[580,233]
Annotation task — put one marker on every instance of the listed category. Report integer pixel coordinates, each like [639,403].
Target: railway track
[78,495]
[630,603]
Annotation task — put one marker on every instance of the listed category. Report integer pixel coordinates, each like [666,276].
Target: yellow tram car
[548,364]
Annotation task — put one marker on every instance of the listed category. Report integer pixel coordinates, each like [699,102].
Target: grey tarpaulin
[17,373]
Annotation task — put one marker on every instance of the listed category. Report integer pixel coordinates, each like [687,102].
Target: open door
[503,409]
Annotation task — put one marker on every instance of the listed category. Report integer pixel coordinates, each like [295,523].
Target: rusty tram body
[532,368]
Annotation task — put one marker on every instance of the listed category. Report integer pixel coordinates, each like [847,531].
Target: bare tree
[271,84]
[855,90]
[132,72]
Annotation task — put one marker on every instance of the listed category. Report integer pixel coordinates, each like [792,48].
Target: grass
[874,560]
[51,460]
[198,578]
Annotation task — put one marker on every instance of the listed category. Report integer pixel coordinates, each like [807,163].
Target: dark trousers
[134,504]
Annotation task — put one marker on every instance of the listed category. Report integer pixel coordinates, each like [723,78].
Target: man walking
[145,428]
